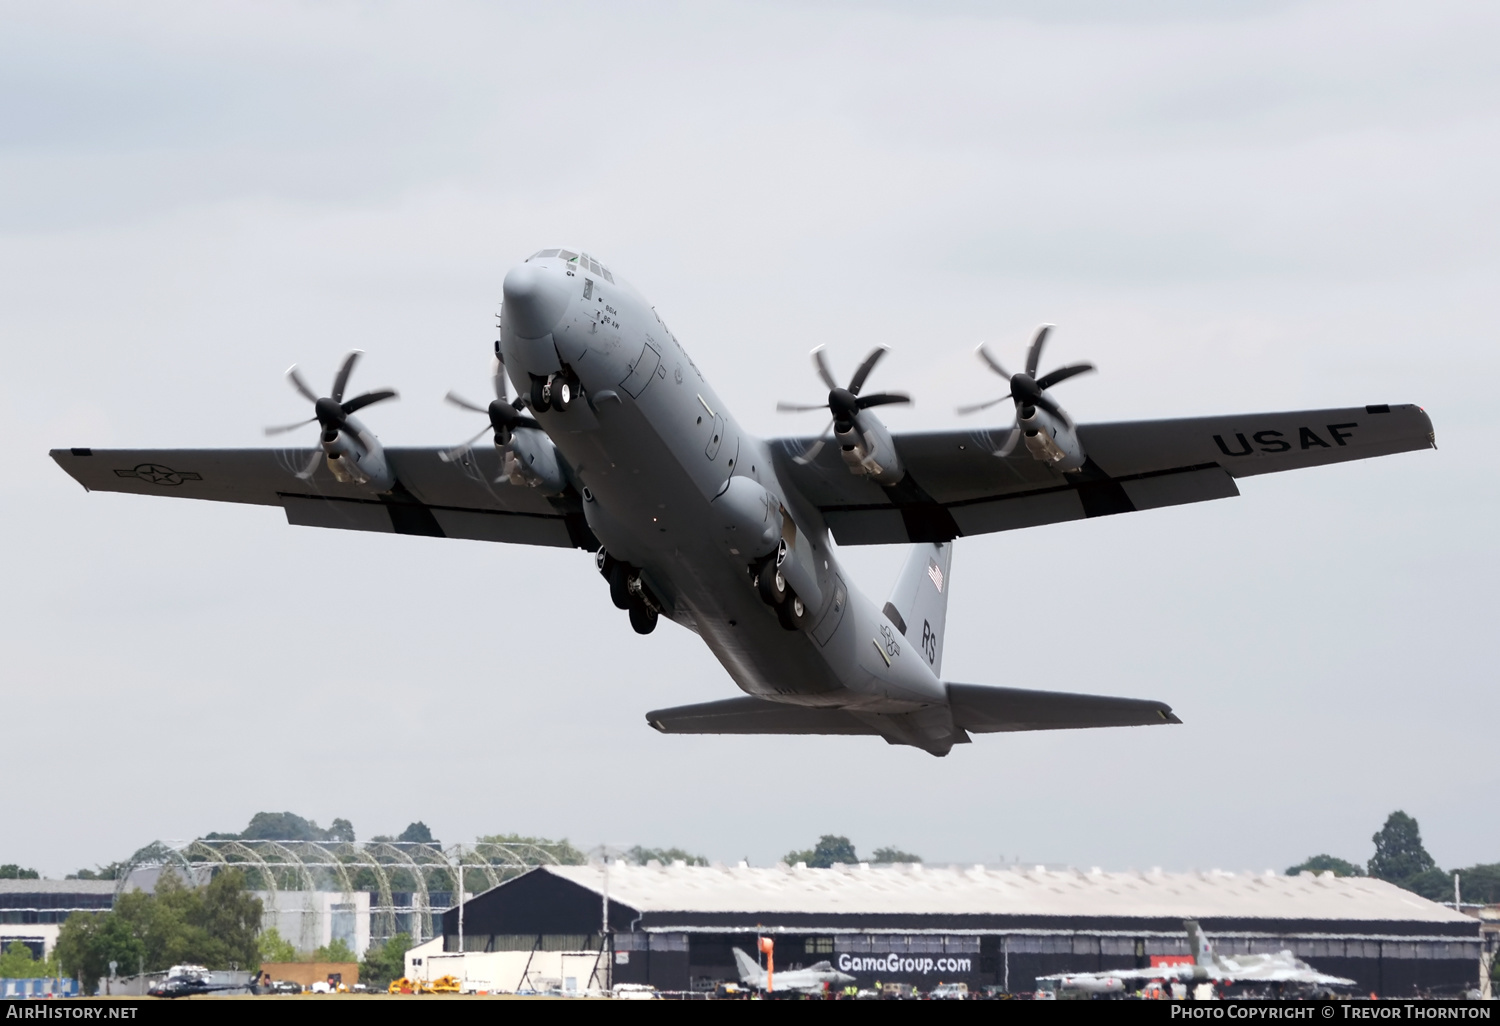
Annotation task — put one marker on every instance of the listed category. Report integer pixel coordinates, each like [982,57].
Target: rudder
[919,603]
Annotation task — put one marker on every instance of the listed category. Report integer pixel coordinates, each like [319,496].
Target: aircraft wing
[955,486]
[434,498]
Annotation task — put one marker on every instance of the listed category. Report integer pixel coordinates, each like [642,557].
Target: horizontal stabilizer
[986,710]
[754,716]
[975,708]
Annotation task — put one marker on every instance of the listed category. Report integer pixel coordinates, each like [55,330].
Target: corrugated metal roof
[923,890]
[57,887]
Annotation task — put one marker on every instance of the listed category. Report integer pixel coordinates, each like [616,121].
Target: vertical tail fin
[750,973]
[1201,947]
[919,602]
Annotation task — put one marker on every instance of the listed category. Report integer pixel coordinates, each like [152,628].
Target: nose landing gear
[554,392]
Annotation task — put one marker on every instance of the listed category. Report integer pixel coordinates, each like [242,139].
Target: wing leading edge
[954,486]
[458,499]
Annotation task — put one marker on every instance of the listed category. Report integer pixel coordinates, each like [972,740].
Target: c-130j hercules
[617,444]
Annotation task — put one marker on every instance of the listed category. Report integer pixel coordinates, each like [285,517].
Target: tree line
[1402,859]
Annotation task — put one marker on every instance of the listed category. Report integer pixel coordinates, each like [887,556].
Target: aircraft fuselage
[653,451]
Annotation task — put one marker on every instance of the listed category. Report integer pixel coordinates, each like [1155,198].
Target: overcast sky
[1226,207]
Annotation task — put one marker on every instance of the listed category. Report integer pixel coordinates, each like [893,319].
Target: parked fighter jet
[618,445]
[1208,966]
[815,978]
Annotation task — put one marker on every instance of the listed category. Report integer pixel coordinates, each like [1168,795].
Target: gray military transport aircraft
[618,445]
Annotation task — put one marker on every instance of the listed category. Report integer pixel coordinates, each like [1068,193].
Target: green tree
[337,950]
[1481,884]
[416,832]
[275,948]
[1399,854]
[1434,884]
[215,926]
[829,849]
[17,963]
[894,855]
[384,963]
[11,871]
[666,856]
[286,826]
[1326,864]
[89,941]
[562,850]
[109,872]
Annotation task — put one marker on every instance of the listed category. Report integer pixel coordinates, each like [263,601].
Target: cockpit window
[582,260]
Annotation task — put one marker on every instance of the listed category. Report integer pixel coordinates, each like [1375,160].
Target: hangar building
[674,926]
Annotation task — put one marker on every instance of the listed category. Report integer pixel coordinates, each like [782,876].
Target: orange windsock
[767,945]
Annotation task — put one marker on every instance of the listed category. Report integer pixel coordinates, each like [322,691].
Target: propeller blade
[295,377]
[449,455]
[341,379]
[976,407]
[312,465]
[501,382]
[284,428]
[820,364]
[799,407]
[463,404]
[1051,407]
[882,399]
[863,372]
[817,447]
[359,402]
[990,361]
[1034,354]
[1063,374]
[1010,443]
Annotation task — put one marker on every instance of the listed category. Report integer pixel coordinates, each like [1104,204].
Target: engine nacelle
[1050,439]
[355,457]
[531,459]
[750,517]
[868,451]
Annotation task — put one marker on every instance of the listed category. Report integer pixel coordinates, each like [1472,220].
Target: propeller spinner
[505,415]
[844,402]
[1026,389]
[330,412]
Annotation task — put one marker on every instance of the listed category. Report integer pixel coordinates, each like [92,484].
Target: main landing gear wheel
[642,618]
[563,391]
[541,395]
[793,613]
[619,587]
[770,583]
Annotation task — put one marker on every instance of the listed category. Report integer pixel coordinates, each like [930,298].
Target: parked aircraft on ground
[1207,966]
[815,978]
[618,445]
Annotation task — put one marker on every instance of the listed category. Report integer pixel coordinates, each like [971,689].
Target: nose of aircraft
[536,297]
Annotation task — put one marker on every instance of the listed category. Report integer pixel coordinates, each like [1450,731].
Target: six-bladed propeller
[331,412]
[1026,389]
[843,402]
[505,415]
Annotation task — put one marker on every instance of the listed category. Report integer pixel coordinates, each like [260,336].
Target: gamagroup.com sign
[896,963]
